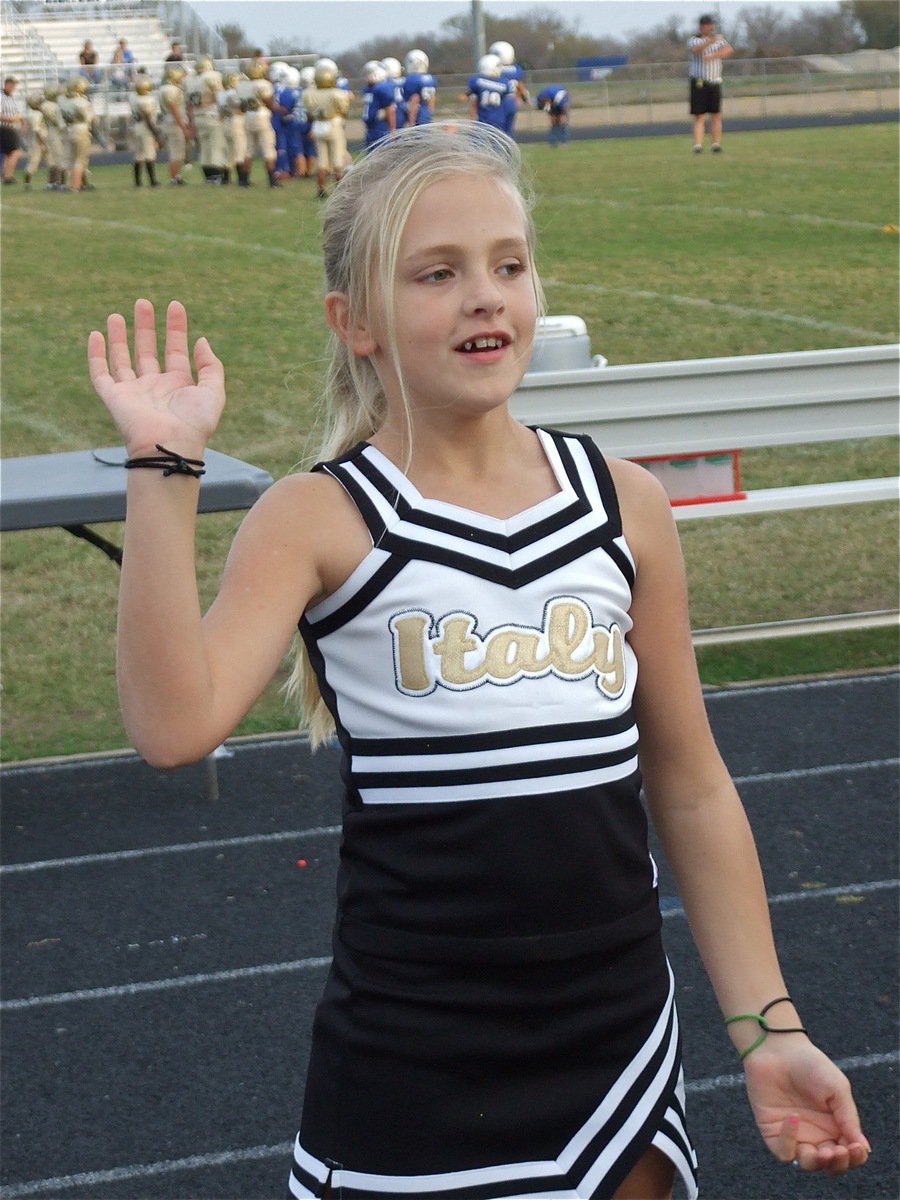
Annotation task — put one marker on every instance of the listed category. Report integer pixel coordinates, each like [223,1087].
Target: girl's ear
[355,335]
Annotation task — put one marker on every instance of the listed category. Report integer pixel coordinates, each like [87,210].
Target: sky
[330,26]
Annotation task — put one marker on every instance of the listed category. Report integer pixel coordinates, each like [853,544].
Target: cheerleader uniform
[499,1018]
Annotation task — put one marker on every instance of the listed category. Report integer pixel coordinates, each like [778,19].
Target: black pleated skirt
[481,1080]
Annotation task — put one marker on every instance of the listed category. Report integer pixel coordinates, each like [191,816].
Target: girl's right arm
[186,680]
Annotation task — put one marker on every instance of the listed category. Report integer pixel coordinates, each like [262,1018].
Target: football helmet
[256,71]
[307,76]
[504,52]
[35,100]
[204,63]
[291,77]
[393,68]
[490,66]
[174,74]
[374,72]
[416,62]
[326,73]
[77,86]
[278,72]
[51,91]
[143,85]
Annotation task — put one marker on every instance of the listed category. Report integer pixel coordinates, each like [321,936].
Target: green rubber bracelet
[764,1025]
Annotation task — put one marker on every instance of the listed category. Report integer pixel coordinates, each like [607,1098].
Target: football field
[787,241]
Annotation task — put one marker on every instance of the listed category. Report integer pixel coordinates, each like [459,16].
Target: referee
[707,49]
[11,123]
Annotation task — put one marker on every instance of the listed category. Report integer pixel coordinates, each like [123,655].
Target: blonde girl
[474,598]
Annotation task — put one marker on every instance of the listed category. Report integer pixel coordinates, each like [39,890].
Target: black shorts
[9,139]
[705,97]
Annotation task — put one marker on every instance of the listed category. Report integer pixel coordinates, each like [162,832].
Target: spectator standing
[175,54]
[707,50]
[11,125]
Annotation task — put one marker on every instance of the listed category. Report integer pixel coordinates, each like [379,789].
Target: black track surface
[162,953]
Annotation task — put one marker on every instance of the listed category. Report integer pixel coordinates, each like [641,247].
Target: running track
[162,953]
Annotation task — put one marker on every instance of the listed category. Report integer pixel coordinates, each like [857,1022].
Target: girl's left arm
[802,1102]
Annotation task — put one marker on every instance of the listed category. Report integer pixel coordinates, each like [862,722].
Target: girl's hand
[804,1107]
[151,405]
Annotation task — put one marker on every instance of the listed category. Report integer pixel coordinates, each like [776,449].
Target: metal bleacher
[40,40]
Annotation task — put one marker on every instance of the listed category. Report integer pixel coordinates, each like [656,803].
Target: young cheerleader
[474,598]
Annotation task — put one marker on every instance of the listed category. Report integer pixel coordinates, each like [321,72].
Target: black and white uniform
[499,1018]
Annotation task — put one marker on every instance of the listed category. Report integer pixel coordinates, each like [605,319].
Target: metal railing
[699,406]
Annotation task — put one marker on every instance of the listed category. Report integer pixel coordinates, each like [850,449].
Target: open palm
[151,404]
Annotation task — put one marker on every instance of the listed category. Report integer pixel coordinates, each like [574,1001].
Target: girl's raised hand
[150,404]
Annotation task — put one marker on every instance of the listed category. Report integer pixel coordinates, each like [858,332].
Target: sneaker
[12,179]
[698,149]
[716,148]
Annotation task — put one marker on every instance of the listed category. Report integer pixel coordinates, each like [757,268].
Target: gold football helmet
[174,73]
[326,73]
[143,85]
[77,86]
[204,63]
[256,71]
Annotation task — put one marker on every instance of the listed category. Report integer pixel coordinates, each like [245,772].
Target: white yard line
[169,235]
[719,306]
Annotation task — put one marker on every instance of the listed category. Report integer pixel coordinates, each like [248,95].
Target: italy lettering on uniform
[449,652]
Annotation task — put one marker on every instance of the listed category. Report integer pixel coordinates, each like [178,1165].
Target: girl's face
[464,301]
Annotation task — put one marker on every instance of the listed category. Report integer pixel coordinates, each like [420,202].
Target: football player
[554,100]
[419,88]
[487,91]
[327,105]
[379,110]
[513,73]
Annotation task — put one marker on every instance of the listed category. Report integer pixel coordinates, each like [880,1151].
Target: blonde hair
[364,222]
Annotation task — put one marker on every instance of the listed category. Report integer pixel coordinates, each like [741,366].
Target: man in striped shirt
[707,49]
[11,124]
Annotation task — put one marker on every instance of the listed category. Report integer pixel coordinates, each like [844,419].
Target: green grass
[776,245]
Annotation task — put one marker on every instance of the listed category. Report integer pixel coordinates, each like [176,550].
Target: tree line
[545,41]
